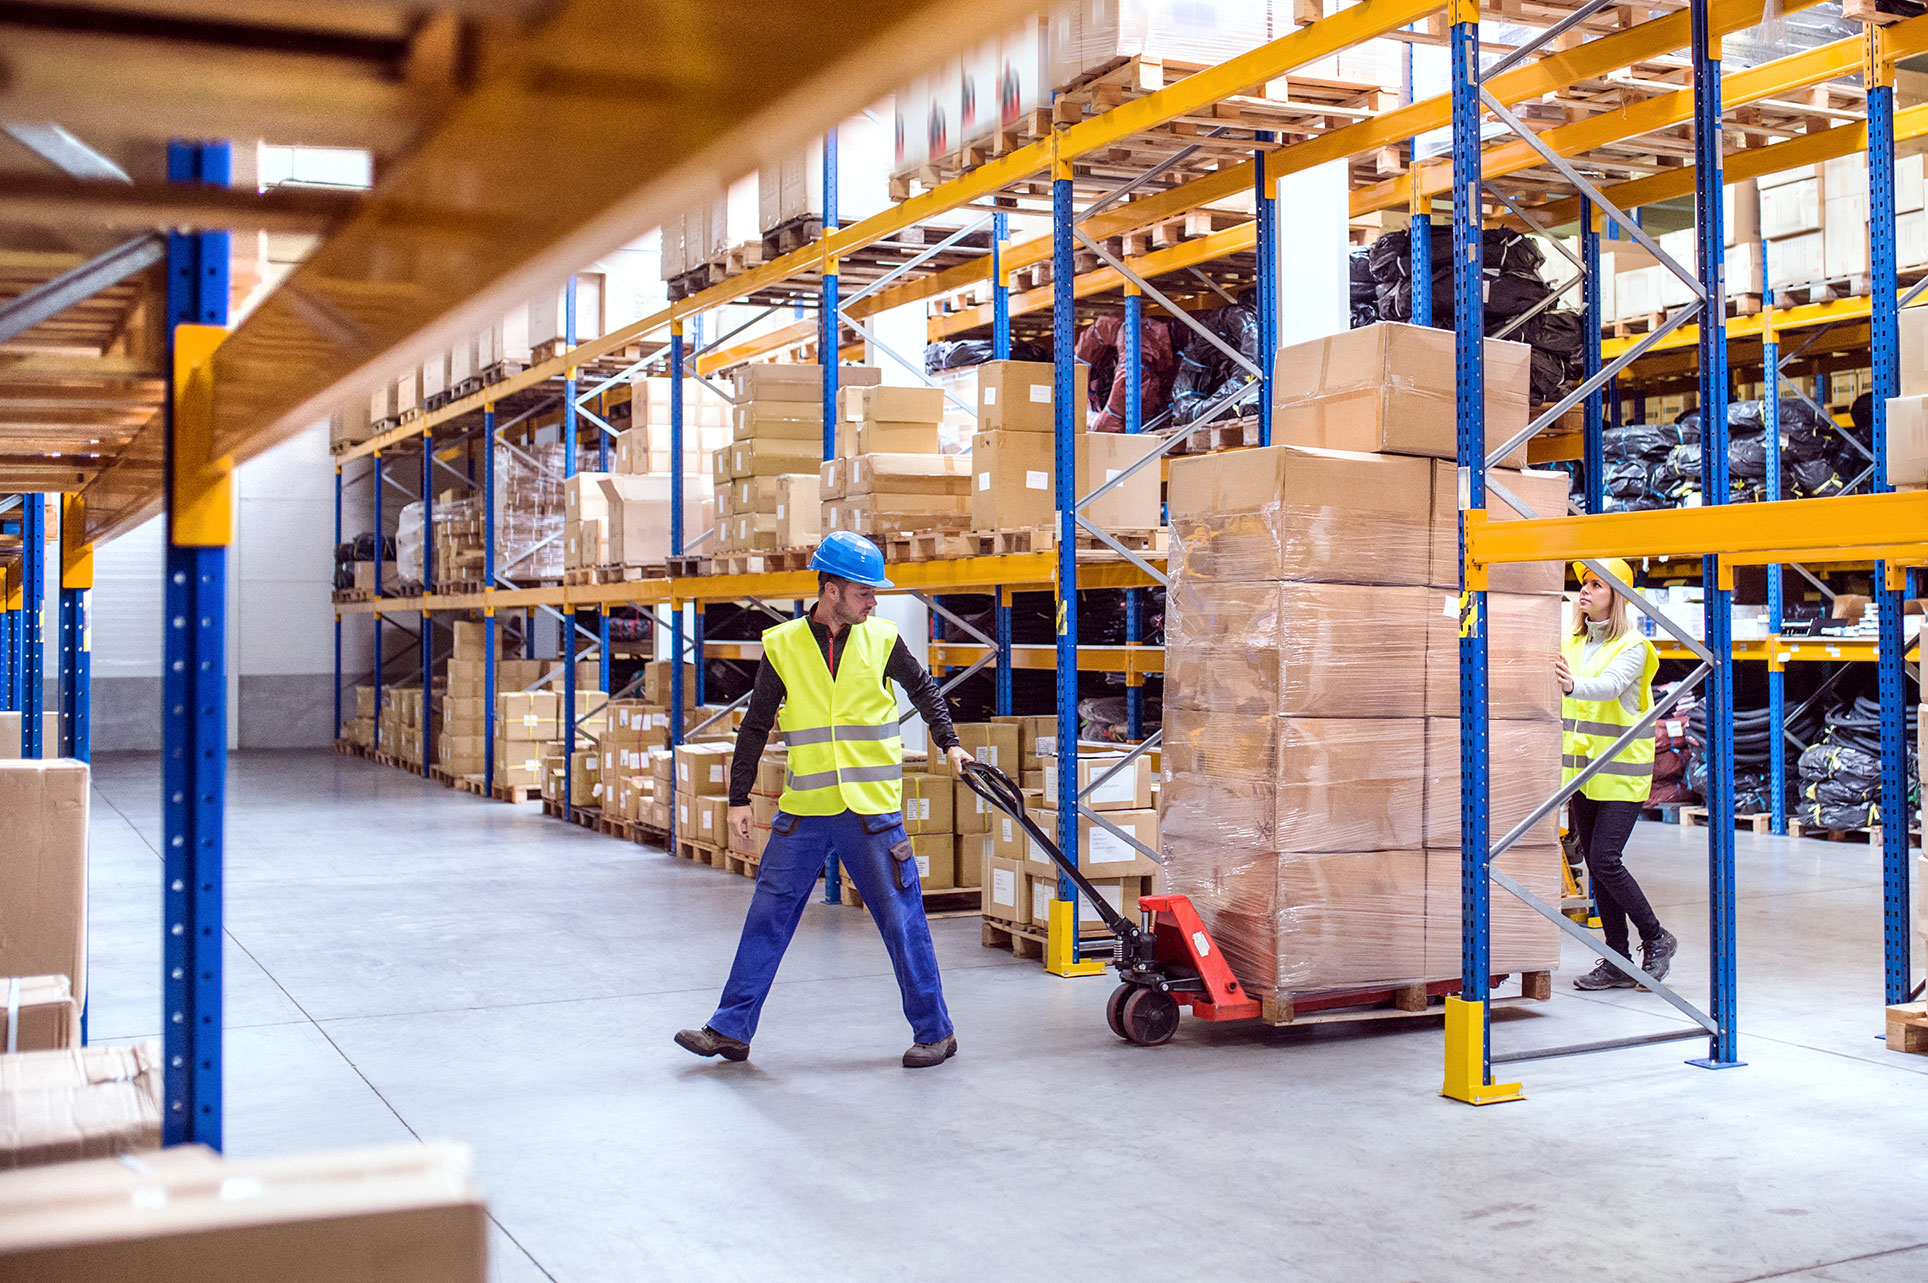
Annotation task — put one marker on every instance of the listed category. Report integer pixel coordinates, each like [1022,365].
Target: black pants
[1603,829]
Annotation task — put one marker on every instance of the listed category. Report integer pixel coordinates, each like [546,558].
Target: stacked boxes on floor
[703,792]
[1013,457]
[632,729]
[890,476]
[775,452]
[1311,794]
[359,728]
[401,724]
[462,746]
[765,795]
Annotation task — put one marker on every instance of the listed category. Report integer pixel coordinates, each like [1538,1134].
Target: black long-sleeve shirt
[761,715]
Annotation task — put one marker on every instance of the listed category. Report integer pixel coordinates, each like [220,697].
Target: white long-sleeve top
[1620,679]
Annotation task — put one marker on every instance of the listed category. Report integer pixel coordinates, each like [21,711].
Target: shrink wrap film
[1521,939]
[1320,650]
[1523,771]
[1522,641]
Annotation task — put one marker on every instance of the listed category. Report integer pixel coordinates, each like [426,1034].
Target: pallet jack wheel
[1115,1010]
[1150,1017]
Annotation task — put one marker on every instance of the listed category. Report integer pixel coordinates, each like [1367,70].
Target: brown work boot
[707,1042]
[927,1055]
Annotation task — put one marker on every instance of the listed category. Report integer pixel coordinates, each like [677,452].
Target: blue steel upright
[1000,289]
[489,625]
[829,353]
[1469,324]
[194,719]
[1594,458]
[1723,1049]
[1776,676]
[675,550]
[1267,233]
[380,665]
[1419,251]
[33,643]
[1133,358]
[1890,679]
[337,726]
[569,449]
[76,674]
[426,637]
[1067,416]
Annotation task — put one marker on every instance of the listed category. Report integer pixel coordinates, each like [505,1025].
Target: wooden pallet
[1023,942]
[738,862]
[1386,1003]
[348,748]
[939,902]
[502,371]
[1227,434]
[470,784]
[644,835]
[354,594]
[408,416]
[1696,817]
[790,236]
[1870,12]
[762,562]
[590,575]
[700,853]
[1871,835]
[1908,1028]
[518,793]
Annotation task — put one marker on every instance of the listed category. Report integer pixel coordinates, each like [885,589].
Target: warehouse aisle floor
[407,961]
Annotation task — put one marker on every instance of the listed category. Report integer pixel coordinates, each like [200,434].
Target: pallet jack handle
[1001,791]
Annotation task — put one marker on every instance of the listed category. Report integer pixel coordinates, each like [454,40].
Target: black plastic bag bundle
[1555,330]
[1205,373]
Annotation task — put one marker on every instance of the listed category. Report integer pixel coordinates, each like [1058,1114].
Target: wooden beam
[53,200]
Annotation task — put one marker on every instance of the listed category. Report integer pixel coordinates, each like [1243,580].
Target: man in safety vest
[829,674]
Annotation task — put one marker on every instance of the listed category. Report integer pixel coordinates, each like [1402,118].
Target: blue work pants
[799,846]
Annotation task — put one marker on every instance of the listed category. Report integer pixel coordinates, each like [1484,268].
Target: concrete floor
[405,961]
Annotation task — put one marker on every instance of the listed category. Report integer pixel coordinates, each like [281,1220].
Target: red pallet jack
[1165,962]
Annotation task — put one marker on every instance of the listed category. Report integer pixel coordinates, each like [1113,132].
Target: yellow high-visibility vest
[1590,727]
[846,752]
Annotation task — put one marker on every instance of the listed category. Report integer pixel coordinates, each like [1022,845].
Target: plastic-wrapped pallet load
[529,513]
[1304,803]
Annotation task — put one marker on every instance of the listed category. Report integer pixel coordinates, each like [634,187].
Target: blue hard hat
[849,555]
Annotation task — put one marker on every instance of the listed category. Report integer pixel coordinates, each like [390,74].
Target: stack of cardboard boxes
[775,452]
[620,519]
[1310,803]
[643,448]
[1013,456]
[703,792]
[401,721]
[462,746]
[890,476]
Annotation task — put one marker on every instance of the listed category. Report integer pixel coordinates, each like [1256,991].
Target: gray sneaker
[1657,954]
[927,1055]
[1605,976]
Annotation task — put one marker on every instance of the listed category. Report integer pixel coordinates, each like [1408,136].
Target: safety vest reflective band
[1589,728]
[846,750]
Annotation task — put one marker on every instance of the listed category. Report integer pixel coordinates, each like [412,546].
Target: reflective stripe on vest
[1590,728]
[846,748]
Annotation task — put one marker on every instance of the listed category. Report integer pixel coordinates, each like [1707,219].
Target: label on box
[1122,787]
[706,820]
[1041,394]
[1107,847]
[923,866]
[1008,831]
[1004,887]
[716,773]
[779,512]
[1112,474]
[990,395]
[1449,606]
[988,755]
[1036,481]
[983,481]
[1046,746]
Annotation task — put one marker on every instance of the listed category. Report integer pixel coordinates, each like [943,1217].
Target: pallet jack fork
[1165,961]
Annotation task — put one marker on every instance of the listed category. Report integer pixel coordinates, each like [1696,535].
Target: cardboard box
[936,860]
[1016,396]
[365,580]
[1009,841]
[855,439]
[1006,896]
[907,474]
[797,382]
[832,477]
[799,510]
[712,816]
[1101,853]
[1289,513]
[873,515]
[43,870]
[970,813]
[87,1102]
[1126,790]
[1544,492]
[929,801]
[395,1214]
[1122,896]
[891,404]
[703,770]
[971,850]
[636,522]
[1908,442]
[774,458]
[992,743]
[10,747]
[657,678]
[528,715]
[1037,737]
[1523,635]
[1523,771]
[1306,649]
[1521,939]
[41,1014]
[1790,209]
[1015,478]
[1389,388]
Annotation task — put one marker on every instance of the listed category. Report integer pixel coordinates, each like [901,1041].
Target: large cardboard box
[1009,841]
[637,516]
[10,748]
[1389,388]
[972,850]
[1037,737]
[396,1214]
[1544,492]
[86,1102]
[1523,771]
[992,743]
[891,404]
[1128,789]
[703,769]
[873,515]
[936,860]
[1521,938]
[1015,475]
[854,439]
[1908,442]
[1120,895]
[1306,649]
[773,458]
[970,813]
[658,675]
[528,715]
[41,1014]
[929,801]
[1289,513]
[43,870]
[1016,396]
[1101,853]
[909,474]
[1006,898]
[797,382]
[799,510]
[1522,640]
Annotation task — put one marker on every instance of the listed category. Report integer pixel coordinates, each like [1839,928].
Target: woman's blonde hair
[1616,617]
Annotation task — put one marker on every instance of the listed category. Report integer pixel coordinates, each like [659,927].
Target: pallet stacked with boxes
[643,447]
[890,477]
[462,745]
[400,725]
[1310,804]
[774,458]
[617,525]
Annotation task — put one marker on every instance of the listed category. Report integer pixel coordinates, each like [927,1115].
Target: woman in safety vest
[1607,671]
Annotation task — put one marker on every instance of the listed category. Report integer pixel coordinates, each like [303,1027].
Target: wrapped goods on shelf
[792,190]
[1523,771]
[1741,213]
[1389,388]
[408,392]
[1844,232]
[381,404]
[85,1102]
[674,254]
[1791,208]
[409,537]
[349,426]
[548,310]
[1286,513]
[529,513]
[435,378]
[1520,937]
[1797,260]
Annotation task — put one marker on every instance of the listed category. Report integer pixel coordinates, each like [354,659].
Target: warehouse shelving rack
[202,431]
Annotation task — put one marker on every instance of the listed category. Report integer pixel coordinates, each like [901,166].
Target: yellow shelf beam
[1133,661]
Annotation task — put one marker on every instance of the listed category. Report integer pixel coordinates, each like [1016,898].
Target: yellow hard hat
[1617,565]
